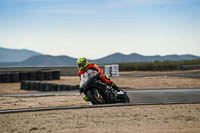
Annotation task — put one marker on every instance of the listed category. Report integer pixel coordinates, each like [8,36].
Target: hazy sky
[96,28]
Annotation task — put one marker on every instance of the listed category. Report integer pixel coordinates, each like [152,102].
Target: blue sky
[96,28]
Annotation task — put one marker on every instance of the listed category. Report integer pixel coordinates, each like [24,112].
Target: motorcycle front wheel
[95,96]
[125,99]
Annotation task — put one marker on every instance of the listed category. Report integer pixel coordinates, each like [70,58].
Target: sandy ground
[45,101]
[184,118]
[138,119]
[158,82]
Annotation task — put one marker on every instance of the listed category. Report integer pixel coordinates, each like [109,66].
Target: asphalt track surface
[165,96]
[137,97]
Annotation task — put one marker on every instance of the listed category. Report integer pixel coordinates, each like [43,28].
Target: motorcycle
[98,92]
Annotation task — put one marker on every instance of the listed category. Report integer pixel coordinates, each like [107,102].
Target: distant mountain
[119,58]
[134,57]
[48,60]
[15,55]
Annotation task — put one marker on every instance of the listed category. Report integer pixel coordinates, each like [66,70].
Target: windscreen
[87,76]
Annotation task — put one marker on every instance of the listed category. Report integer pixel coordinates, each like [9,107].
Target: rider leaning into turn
[83,66]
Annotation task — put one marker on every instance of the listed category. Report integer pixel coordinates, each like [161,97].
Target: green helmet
[82,63]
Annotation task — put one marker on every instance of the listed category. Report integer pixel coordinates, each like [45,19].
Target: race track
[137,97]
[163,96]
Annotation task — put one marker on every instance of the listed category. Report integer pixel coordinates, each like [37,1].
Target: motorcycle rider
[83,66]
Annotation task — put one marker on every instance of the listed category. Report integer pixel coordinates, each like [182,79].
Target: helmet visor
[82,64]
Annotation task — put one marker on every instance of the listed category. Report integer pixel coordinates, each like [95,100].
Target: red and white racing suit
[105,79]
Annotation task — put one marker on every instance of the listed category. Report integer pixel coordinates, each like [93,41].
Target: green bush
[157,66]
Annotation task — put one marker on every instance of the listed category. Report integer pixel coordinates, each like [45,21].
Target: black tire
[6,78]
[33,85]
[58,87]
[23,76]
[37,85]
[14,77]
[67,87]
[92,95]
[56,75]
[48,75]
[43,86]
[55,87]
[75,87]
[61,87]
[39,75]
[27,85]
[22,85]
[32,75]
[49,87]
[70,87]
[0,78]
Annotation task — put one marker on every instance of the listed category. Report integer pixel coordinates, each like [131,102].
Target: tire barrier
[23,76]
[56,75]
[5,78]
[27,85]
[40,75]
[48,75]
[55,87]
[49,87]
[33,86]
[22,85]
[32,75]
[45,86]
[42,86]
[13,77]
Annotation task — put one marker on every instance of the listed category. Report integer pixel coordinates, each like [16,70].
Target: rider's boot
[85,98]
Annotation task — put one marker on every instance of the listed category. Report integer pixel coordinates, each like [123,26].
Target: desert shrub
[157,66]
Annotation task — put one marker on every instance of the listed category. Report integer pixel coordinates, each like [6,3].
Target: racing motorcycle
[98,92]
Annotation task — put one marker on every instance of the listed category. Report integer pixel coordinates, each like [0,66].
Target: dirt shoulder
[45,101]
[158,82]
[182,118]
